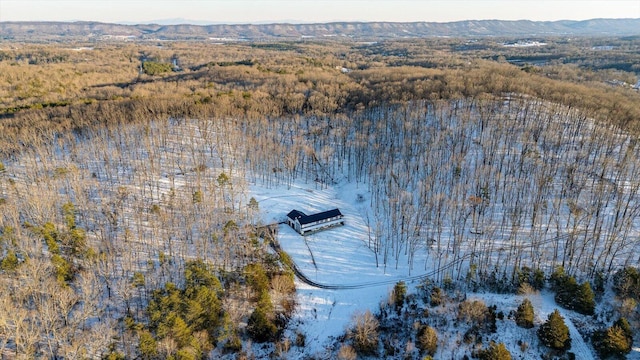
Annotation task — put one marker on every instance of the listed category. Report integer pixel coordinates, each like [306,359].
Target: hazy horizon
[181,21]
[201,12]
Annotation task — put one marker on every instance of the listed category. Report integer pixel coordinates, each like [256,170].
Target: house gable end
[304,224]
[296,214]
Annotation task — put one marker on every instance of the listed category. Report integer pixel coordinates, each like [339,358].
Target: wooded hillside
[127,229]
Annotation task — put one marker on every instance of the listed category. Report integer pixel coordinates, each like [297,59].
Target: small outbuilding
[305,224]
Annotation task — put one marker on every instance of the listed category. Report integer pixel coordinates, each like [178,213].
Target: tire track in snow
[302,277]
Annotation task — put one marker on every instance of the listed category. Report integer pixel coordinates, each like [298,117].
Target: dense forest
[128,230]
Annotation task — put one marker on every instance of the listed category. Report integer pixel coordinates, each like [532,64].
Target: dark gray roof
[307,219]
[294,214]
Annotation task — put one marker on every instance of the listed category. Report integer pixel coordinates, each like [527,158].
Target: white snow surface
[338,256]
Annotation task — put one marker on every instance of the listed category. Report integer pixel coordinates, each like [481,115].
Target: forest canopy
[48,88]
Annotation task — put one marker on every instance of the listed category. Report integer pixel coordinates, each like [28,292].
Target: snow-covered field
[338,256]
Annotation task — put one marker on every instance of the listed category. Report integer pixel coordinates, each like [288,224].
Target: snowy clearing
[340,256]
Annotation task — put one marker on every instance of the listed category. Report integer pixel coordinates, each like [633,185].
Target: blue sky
[253,11]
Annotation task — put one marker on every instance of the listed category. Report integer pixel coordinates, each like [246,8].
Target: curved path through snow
[302,277]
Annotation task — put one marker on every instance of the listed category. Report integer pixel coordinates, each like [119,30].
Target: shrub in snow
[472,335]
[494,352]
[523,345]
[427,340]
[391,346]
[480,317]
[437,297]
[474,312]
[347,352]
[301,339]
[490,323]
[364,333]
[283,347]
[554,333]
[410,350]
[196,197]
[526,289]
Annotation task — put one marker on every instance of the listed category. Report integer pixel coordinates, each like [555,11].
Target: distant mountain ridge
[34,31]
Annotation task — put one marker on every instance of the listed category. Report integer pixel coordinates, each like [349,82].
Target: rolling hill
[42,31]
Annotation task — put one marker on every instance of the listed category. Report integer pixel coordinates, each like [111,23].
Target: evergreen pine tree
[399,294]
[585,299]
[10,262]
[557,279]
[538,279]
[525,314]
[615,341]
[260,328]
[180,332]
[147,345]
[197,274]
[554,333]
[623,324]
[626,283]
[566,291]
[228,337]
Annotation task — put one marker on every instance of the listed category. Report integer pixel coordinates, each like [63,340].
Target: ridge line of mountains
[356,30]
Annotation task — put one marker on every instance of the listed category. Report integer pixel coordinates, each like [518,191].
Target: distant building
[175,64]
[304,224]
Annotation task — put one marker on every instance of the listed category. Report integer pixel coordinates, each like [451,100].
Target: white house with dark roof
[305,224]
